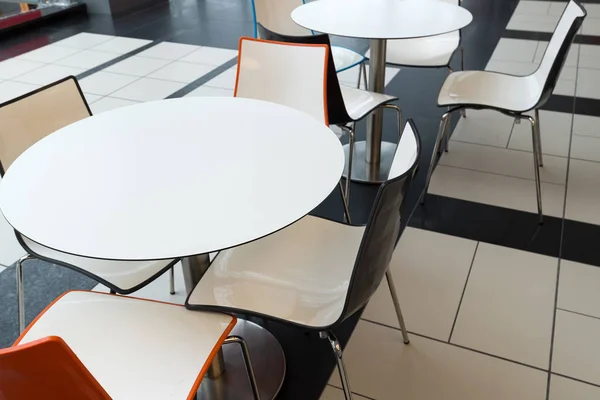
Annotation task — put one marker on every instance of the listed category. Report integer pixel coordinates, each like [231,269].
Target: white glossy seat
[133,348]
[316,272]
[510,94]
[359,103]
[275,15]
[57,105]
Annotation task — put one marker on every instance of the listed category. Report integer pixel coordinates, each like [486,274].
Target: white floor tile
[583,193]
[225,80]
[557,8]
[593,10]
[9,89]
[91,98]
[497,190]
[576,352]
[586,125]
[104,83]
[564,88]
[536,23]
[47,74]
[87,59]
[429,283]
[138,66]
[146,89]
[181,72]
[210,56]
[14,67]
[508,305]
[572,55]
[589,56]
[515,50]
[84,40]
[109,103]
[578,288]
[333,393]
[205,91]
[591,26]
[159,289]
[380,366]
[555,132]
[48,53]
[588,83]
[568,389]
[533,7]
[585,148]
[515,163]
[121,45]
[169,51]
[484,127]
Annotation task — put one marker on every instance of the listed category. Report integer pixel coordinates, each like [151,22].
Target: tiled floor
[497,306]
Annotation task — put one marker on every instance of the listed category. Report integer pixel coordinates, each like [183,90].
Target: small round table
[177,178]
[379,20]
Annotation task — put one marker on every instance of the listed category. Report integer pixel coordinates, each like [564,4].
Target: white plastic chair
[97,346]
[510,94]
[315,273]
[56,106]
[275,15]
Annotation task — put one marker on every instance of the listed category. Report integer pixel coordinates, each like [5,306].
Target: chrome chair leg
[247,362]
[538,148]
[463,111]
[362,73]
[345,203]
[399,117]
[21,291]
[390,281]
[536,165]
[350,131]
[172,280]
[434,155]
[337,352]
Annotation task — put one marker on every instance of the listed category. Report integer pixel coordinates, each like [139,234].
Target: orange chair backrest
[46,369]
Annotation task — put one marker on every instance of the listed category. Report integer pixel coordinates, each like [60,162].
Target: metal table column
[227,378]
[373,158]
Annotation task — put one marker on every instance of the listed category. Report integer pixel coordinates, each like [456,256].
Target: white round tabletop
[382,19]
[171,178]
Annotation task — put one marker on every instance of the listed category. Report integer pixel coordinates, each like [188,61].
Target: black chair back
[380,237]
[556,53]
[336,108]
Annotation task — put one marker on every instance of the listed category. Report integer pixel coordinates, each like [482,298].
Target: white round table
[379,20]
[177,178]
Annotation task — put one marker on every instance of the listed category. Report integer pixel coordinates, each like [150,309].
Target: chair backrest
[556,53]
[31,117]
[336,109]
[276,16]
[381,234]
[407,151]
[46,369]
[294,75]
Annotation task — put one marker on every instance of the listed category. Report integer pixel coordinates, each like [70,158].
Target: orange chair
[96,346]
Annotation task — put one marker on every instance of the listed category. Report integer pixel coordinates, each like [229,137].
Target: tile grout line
[190,87]
[353,392]
[575,379]
[573,312]
[497,174]
[463,292]
[458,346]
[561,241]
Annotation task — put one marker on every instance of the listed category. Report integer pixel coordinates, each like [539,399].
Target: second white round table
[379,20]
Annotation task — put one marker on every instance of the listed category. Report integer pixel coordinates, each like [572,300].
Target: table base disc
[360,168]
[268,362]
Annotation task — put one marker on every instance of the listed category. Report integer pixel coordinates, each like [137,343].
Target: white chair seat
[360,102]
[299,274]
[490,89]
[135,349]
[126,275]
[344,58]
[434,51]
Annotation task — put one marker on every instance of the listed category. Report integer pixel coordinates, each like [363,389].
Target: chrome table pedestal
[227,378]
[361,170]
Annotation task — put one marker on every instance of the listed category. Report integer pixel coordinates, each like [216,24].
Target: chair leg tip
[171,292]
[407,341]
